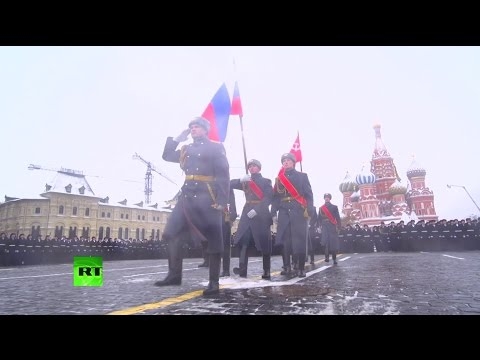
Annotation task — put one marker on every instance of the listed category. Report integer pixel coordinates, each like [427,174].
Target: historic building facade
[69,208]
[378,194]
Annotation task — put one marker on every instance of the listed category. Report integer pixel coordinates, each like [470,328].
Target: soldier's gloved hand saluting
[182,136]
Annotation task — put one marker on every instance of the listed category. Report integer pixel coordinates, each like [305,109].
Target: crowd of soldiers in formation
[442,235]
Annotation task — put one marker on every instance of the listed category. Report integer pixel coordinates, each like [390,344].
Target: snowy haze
[93,108]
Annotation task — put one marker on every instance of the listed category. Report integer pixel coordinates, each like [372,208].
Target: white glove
[183,136]
[275,220]
[251,214]
[245,178]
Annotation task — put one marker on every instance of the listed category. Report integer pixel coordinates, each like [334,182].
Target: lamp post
[464,188]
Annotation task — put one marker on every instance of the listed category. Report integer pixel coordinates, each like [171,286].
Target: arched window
[74,211]
[120,233]
[72,233]
[100,233]
[60,209]
[107,232]
[87,212]
[58,231]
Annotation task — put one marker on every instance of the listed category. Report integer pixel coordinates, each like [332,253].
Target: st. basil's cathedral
[378,194]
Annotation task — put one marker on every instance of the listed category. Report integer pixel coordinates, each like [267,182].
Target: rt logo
[87,271]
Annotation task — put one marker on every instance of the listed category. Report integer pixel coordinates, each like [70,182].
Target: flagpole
[298,135]
[243,142]
[241,124]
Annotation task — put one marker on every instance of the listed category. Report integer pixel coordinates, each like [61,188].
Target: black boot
[175,262]
[295,262]
[226,262]
[205,255]
[301,265]
[287,270]
[266,267]
[312,259]
[242,263]
[225,273]
[334,258]
[213,287]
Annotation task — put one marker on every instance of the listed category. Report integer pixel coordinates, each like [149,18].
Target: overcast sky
[93,108]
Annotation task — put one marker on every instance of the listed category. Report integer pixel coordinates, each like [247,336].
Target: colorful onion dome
[397,188]
[415,169]
[348,184]
[355,196]
[365,177]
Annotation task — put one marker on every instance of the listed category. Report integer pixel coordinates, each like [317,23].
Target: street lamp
[464,188]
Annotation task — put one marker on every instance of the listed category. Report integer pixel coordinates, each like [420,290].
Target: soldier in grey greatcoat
[329,220]
[293,201]
[198,214]
[255,223]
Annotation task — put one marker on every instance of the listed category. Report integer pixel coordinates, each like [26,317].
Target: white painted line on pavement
[453,257]
[155,273]
[35,276]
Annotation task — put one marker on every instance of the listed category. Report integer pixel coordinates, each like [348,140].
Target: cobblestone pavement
[377,283]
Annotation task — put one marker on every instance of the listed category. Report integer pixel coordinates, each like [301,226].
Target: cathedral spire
[380,150]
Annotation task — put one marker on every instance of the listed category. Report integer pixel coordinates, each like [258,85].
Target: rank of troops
[26,250]
[442,235]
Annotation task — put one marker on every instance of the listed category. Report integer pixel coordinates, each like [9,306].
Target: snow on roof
[70,183]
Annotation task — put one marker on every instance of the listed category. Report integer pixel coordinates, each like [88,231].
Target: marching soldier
[255,223]
[329,218]
[293,201]
[199,212]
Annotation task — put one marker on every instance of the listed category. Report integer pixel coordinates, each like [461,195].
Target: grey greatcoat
[292,216]
[329,230]
[194,211]
[260,224]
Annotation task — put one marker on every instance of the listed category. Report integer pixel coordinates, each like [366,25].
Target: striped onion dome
[355,196]
[365,177]
[397,188]
[348,184]
[415,170]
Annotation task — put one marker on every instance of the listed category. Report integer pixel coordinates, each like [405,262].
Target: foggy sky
[92,108]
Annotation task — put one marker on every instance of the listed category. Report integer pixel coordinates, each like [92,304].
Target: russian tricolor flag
[218,113]
[236,102]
